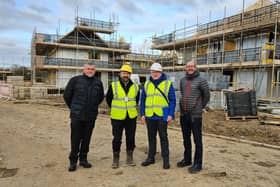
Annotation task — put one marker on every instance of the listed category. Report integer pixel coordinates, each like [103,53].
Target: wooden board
[268,115]
[230,46]
[227,118]
[266,122]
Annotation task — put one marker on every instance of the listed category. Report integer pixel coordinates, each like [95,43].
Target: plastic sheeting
[217,100]
[216,80]
[252,79]
[6,90]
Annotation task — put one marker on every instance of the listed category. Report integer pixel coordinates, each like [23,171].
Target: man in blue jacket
[157,108]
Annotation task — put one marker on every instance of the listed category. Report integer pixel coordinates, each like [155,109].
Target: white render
[71,54]
[63,76]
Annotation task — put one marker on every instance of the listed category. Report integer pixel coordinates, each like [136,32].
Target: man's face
[89,70]
[155,74]
[190,68]
[125,76]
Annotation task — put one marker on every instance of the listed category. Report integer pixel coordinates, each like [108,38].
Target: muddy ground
[251,129]
[35,141]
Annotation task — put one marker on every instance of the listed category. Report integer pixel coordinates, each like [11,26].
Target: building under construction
[55,59]
[244,47]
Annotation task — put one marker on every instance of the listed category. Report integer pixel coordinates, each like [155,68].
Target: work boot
[166,164]
[129,158]
[183,163]
[85,164]
[148,161]
[83,161]
[116,159]
[195,168]
[72,166]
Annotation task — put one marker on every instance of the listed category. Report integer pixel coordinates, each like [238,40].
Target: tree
[18,70]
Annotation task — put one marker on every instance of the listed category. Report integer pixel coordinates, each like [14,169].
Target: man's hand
[169,118]
[143,119]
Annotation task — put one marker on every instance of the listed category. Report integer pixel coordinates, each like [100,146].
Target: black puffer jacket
[83,95]
[198,96]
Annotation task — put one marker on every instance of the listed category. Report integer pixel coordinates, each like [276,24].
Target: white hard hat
[156,67]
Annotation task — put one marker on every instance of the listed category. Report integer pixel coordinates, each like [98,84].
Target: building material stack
[269,111]
[38,91]
[20,92]
[15,80]
[241,104]
[18,87]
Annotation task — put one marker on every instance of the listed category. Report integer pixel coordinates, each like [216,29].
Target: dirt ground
[35,141]
[250,129]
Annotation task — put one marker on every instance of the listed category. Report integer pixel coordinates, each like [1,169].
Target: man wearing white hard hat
[122,97]
[158,102]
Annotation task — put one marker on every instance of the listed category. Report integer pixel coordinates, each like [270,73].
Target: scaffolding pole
[174,49]
[241,35]
[196,40]
[223,50]
[184,53]
[275,45]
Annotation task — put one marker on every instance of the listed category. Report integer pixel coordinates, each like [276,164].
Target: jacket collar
[158,81]
[129,83]
[192,76]
[84,75]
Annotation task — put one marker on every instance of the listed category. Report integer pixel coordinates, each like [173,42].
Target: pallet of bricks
[269,111]
[18,87]
[241,104]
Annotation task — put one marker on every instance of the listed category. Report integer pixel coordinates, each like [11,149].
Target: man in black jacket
[195,95]
[82,95]
[122,97]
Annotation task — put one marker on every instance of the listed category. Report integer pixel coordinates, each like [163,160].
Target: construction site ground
[35,143]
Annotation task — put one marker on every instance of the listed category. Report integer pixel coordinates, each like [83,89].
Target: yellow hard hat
[126,68]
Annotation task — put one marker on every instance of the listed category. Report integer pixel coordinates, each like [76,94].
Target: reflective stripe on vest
[123,103]
[155,102]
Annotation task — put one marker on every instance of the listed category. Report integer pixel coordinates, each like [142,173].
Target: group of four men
[84,93]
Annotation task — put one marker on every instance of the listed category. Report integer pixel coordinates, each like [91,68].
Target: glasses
[190,66]
[91,69]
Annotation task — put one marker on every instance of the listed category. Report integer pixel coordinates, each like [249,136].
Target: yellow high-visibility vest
[155,101]
[123,103]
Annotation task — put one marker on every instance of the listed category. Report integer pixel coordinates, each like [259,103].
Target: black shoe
[166,164]
[85,164]
[195,168]
[183,163]
[72,167]
[148,161]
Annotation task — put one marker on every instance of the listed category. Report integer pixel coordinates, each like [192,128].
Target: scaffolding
[226,44]
[91,41]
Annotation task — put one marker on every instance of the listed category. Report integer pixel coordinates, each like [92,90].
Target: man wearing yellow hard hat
[122,97]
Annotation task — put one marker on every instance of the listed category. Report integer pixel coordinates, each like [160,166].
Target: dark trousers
[80,139]
[154,126]
[194,125]
[117,130]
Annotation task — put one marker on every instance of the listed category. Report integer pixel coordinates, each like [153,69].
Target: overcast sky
[139,20]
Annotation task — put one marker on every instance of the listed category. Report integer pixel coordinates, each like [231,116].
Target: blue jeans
[188,125]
